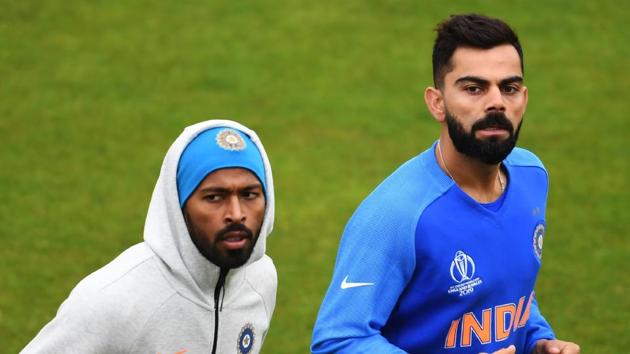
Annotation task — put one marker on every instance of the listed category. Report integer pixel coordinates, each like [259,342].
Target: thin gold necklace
[449,172]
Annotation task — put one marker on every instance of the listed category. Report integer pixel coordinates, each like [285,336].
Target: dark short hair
[469,30]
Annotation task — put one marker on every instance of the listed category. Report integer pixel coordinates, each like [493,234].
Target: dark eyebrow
[513,79]
[214,189]
[474,79]
[253,186]
[484,82]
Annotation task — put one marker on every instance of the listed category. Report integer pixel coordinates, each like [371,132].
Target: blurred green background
[92,93]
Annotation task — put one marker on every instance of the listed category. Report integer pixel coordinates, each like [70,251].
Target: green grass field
[93,93]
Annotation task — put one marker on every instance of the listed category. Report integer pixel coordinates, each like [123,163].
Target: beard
[490,151]
[209,246]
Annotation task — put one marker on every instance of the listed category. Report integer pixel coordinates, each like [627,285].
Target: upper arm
[77,328]
[377,248]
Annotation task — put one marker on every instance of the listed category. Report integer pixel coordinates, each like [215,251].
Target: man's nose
[495,100]
[234,212]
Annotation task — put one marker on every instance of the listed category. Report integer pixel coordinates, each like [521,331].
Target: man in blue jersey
[443,255]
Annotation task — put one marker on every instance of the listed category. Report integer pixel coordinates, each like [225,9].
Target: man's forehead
[493,64]
[232,175]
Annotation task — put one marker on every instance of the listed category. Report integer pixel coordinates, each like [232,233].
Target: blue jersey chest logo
[462,267]
[463,274]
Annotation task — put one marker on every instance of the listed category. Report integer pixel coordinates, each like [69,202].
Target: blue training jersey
[424,268]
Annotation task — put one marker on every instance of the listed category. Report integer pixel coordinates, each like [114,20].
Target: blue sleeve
[375,261]
[537,327]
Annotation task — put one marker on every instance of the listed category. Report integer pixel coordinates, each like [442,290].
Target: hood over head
[165,230]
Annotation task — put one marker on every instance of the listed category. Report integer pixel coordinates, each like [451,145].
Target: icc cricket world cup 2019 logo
[463,273]
[464,265]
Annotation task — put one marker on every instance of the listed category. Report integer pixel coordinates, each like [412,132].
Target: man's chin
[492,152]
[232,258]
[233,263]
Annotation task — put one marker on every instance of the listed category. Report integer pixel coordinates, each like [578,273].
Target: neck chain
[439,147]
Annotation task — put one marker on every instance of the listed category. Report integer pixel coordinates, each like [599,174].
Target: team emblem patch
[539,233]
[245,339]
[229,139]
[463,273]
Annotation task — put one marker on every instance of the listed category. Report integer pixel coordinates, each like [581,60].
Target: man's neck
[476,178]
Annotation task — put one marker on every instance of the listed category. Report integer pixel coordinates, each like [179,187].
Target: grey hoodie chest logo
[245,339]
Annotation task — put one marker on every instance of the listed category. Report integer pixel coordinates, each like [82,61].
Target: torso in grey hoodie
[159,296]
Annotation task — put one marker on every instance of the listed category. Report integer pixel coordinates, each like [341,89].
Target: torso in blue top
[446,274]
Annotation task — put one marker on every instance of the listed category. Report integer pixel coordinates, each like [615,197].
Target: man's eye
[250,195]
[473,89]
[212,197]
[510,89]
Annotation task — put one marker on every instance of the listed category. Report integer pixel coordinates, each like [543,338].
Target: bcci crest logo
[539,233]
[229,139]
[463,272]
[464,265]
[245,339]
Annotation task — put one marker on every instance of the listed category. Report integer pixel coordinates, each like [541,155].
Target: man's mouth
[491,132]
[493,125]
[234,240]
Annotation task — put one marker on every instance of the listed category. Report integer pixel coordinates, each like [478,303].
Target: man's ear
[434,99]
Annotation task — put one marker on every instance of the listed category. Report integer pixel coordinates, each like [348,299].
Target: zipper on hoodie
[217,293]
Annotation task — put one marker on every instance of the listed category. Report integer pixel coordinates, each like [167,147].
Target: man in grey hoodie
[200,281]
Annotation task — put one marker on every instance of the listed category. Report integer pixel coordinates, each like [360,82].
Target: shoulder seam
[268,319]
[417,223]
[127,272]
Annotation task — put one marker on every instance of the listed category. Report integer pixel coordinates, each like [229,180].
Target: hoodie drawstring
[222,298]
[217,292]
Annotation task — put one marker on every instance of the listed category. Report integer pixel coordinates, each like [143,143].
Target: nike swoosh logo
[345,284]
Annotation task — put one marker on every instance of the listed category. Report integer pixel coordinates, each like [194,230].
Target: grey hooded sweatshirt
[162,295]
